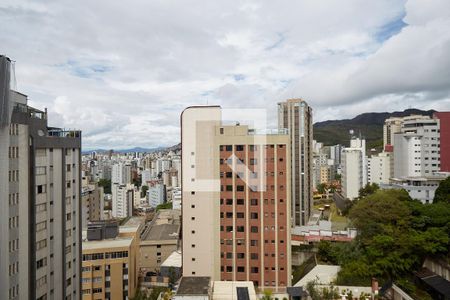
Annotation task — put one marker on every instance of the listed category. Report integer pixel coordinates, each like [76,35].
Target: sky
[123,71]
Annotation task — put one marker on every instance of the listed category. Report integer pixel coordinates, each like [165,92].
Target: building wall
[199,157]
[116,277]
[444,135]
[268,216]
[42,246]
[380,168]
[296,116]
[154,253]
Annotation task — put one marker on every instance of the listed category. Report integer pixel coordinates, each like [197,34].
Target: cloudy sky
[122,71]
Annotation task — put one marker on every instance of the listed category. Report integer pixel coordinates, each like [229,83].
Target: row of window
[14,291]
[13,152]
[13,176]
[13,245]
[93,291]
[13,199]
[253,202]
[41,244]
[41,281]
[13,268]
[14,222]
[41,263]
[250,147]
[241,188]
[241,269]
[13,129]
[96,256]
[93,279]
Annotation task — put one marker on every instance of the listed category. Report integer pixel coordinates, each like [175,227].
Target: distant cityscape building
[354,168]
[40,184]
[92,203]
[380,168]
[417,147]
[236,208]
[156,193]
[296,116]
[160,239]
[123,199]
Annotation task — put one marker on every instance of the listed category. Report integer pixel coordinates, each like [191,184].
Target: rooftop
[118,242]
[174,260]
[164,226]
[238,290]
[191,286]
[324,274]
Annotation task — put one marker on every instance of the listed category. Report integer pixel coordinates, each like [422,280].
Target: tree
[369,189]
[144,190]
[442,193]
[395,234]
[321,188]
[267,295]
[167,205]
[106,184]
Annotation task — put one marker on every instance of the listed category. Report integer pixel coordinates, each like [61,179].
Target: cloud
[123,72]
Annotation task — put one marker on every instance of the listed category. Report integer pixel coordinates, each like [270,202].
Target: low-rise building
[159,239]
[109,261]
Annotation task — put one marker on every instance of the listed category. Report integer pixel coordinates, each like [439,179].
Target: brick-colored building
[236,181]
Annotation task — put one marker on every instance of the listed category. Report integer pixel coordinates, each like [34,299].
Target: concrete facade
[296,116]
[354,168]
[243,181]
[40,178]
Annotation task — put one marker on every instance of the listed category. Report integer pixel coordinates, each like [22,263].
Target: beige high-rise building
[394,125]
[236,208]
[40,223]
[296,116]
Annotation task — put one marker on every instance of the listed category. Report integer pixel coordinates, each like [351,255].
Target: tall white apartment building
[156,193]
[417,148]
[40,224]
[162,165]
[123,198]
[121,173]
[354,168]
[380,168]
[146,176]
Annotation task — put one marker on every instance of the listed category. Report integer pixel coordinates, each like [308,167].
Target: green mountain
[370,125]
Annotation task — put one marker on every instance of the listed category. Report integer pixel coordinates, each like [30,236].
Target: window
[253,161]
[253,215]
[229,188]
[41,263]
[254,202]
[229,228]
[240,228]
[229,202]
[240,188]
[229,174]
[229,269]
[241,269]
[228,148]
[41,244]
[254,229]
[254,256]
[240,201]
[41,189]
[41,226]
[229,255]
[240,215]
[240,255]
[41,207]
[254,270]
[254,243]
